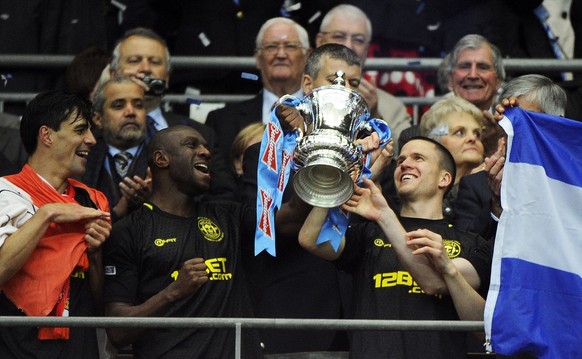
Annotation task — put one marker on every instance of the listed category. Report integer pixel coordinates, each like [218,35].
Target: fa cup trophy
[327,161]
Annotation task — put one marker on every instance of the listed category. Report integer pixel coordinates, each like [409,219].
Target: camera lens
[157,86]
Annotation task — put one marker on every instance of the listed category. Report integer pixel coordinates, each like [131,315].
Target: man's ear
[98,120]
[161,158]
[307,84]
[446,179]
[257,60]
[45,133]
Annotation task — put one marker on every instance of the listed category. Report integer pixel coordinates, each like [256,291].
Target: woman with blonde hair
[247,137]
[458,125]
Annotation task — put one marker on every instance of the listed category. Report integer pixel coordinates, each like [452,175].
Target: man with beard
[117,165]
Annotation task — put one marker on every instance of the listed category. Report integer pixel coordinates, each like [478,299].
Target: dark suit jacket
[229,120]
[223,184]
[472,207]
[96,175]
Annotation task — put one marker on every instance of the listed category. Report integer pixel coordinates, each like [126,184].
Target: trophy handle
[374,125]
[299,132]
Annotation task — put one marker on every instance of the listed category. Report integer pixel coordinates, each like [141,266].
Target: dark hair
[50,109]
[85,70]
[332,51]
[446,159]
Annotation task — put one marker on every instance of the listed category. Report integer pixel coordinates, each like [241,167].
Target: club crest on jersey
[209,230]
[453,247]
[270,156]
[265,222]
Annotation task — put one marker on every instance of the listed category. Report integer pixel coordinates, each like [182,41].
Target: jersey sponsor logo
[453,247]
[270,156]
[216,269]
[281,179]
[265,223]
[379,242]
[393,279]
[160,242]
[110,270]
[209,230]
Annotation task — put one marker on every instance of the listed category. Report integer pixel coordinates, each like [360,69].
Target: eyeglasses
[342,37]
[289,48]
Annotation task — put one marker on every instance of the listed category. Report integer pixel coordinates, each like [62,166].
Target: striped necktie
[122,160]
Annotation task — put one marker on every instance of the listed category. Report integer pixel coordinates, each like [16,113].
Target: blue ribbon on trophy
[327,161]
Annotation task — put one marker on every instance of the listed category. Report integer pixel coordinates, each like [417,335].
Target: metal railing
[238,324]
[248,64]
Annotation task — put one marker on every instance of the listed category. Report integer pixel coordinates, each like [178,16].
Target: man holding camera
[143,55]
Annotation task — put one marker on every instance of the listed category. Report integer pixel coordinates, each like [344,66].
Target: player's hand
[191,277]
[71,212]
[96,232]
[290,118]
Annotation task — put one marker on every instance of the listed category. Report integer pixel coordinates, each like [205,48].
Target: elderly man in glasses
[349,26]
[282,47]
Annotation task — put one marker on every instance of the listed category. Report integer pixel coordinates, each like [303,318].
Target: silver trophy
[327,161]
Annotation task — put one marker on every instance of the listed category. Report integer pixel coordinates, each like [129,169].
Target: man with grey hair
[282,46]
[144,56]
[117,165]
[536,93]
[348,25]
[474,71]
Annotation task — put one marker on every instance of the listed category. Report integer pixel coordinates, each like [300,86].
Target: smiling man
[390,281]
[475,70]
[51,231]
[178,257]
[117,165]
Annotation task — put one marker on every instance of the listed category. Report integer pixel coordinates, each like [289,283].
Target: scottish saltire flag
[535,300]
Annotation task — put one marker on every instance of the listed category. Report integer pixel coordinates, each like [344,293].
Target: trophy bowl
[326,159]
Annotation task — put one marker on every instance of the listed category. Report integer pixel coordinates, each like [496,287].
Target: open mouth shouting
[202,167]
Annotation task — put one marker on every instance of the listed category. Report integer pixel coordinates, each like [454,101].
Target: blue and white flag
[534,303]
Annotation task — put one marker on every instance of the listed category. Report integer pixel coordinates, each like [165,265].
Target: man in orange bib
[51,231]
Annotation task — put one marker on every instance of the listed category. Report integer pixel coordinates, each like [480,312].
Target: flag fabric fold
[534,300]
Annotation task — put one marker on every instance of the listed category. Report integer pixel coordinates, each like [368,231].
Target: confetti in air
[248,76]
[5,78]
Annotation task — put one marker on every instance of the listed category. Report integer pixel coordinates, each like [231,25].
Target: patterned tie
[151,127]
[122,162]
